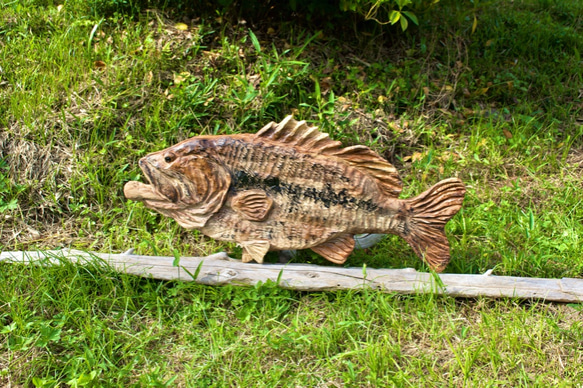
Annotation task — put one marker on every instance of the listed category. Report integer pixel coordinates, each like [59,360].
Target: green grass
[73,323]
[89,88]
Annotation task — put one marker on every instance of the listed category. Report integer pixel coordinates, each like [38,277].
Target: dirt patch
[575,159]
[43,173]
[15,363]
[33,164]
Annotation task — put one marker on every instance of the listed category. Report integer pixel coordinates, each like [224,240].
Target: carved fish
[290,186]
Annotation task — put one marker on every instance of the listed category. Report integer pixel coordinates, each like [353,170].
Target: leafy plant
[394,11]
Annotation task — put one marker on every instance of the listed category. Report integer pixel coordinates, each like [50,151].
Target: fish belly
[228,225]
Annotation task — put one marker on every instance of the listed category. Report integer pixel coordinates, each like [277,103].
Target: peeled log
[219,269]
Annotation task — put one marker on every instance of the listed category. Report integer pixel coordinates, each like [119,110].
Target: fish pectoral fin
[254,250]
[336,250]
[254,205]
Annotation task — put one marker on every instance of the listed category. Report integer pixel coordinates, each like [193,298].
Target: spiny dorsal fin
[301,135]
[336,250]
[298,134]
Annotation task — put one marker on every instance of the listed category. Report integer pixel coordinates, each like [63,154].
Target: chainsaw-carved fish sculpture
[290,186]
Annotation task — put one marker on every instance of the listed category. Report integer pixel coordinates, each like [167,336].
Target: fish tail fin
[426,217]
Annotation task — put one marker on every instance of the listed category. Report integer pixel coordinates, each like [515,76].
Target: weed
[8,190]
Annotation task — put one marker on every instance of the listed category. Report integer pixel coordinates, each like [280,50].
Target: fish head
[186,182]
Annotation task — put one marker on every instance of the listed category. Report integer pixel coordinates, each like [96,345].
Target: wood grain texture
[294,187]
[429,212]
[219,269]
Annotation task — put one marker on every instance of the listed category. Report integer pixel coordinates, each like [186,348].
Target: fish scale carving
[290,186]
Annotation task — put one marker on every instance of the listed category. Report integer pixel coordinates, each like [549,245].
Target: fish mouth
[138,191]
[148,192]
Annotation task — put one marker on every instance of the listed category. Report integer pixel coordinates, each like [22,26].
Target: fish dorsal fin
[369,161]
[336,250]
[301,135]
[252,204]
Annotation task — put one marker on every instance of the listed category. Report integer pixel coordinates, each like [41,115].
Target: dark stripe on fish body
[296,194]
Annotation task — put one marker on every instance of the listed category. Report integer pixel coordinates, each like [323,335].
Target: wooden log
[219,269]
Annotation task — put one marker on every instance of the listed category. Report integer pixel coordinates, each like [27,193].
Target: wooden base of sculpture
[219,269]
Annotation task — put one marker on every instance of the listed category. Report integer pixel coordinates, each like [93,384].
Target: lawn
[491,93]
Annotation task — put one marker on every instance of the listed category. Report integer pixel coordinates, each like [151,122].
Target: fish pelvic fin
[426,217]
[254,250]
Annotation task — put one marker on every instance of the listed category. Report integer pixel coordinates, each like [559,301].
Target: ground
[492,94]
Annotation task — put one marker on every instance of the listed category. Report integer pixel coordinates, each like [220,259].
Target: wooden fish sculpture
[290,186]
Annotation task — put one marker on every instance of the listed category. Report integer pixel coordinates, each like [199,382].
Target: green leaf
[48,334]
[404,23]
[93,31]
[196,273]
[255,41]
[176,261]
[83,380]
[411,16]
[438,283]
[12,205]
[403,3]
[40,383]
[8,328]
[394,17]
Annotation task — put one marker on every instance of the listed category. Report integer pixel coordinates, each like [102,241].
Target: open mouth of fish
[138,191]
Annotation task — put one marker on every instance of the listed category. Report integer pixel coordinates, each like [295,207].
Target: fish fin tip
[254,205]
[266,130]
[254,251]
[336,250]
